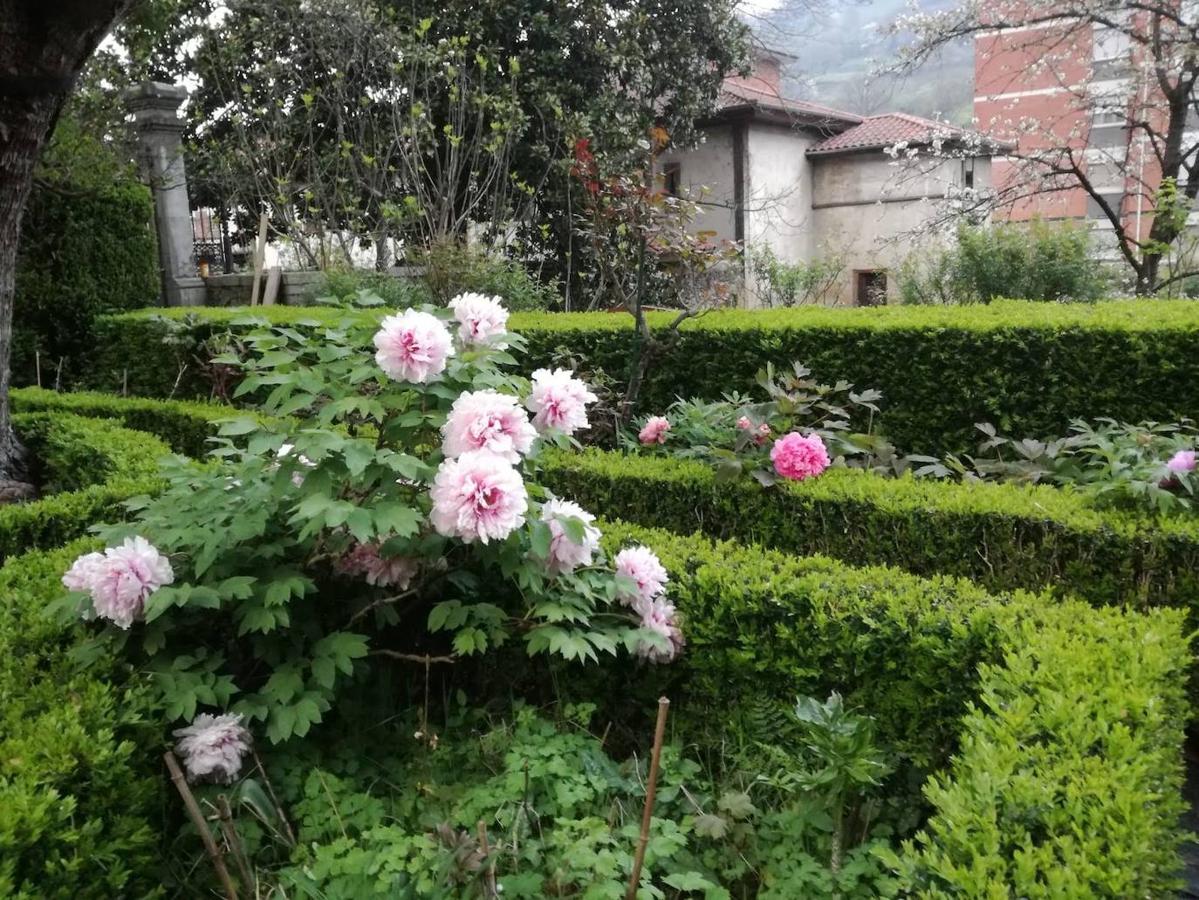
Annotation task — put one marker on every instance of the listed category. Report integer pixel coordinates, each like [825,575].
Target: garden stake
[651,790]
[37,365]
[489,877]
[58,374]
[229,830]
[197,817]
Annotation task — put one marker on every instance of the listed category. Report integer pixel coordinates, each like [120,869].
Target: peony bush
[387,506]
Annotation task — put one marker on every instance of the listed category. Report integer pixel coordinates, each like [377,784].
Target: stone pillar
[155,109]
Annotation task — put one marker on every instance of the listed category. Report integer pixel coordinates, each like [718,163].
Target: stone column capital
[155,106]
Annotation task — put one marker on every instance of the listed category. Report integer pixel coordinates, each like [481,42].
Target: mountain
[837,47]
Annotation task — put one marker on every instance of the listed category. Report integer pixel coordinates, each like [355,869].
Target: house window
[672,178]
[1110,52]
[1113,198]
[968,174]
[870,287]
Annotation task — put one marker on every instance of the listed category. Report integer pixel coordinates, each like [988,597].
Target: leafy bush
[561,816]
[96,465]
[343,287]
[1030,261]
[1150,466]
[1003,536]
[794,284]
[398,493]
[451,268]
[1029,368]
[87,247]
[80,791]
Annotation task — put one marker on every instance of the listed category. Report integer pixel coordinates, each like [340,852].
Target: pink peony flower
[744,424]
[478,496]
[413,346]
[212,747]
[763,434]
[1182,461]
[83,572]
[488,420]
[559,400]
[565,554]
[655,430]
[481,319]
[120,579]
[797,456]
[394,571]
[643,566]
[660,617]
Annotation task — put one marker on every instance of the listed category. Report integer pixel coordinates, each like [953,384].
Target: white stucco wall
[778,196]
[706,175]
[874,212]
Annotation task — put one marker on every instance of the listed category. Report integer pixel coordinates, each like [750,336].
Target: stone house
[812,183]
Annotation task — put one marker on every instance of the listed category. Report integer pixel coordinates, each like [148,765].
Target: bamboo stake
[37,364]
[651,791]
[489,889]
[259,259]
[229,830]
[197,817]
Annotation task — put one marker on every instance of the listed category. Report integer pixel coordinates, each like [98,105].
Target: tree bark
[43,46]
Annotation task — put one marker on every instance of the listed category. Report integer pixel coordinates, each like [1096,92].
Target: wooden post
[273,276]
[489,888]
[259,258]
[197,817]
[651,791]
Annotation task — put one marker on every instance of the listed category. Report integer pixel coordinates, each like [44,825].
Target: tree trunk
[43,45]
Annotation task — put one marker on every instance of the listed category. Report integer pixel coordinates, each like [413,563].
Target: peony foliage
[384,503]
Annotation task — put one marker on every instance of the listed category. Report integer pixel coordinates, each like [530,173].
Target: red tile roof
[877,132]
[738,96]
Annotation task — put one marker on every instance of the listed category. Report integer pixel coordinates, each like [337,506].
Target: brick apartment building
[1069,90]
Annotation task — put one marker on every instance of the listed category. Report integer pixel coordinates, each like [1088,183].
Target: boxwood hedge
[89,467]
[80,795]
[1067,781]
[1069,720]
[1003,537]
[1027,367]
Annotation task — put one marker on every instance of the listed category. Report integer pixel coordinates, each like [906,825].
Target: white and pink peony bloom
[643,566]
[797,456]
[744,424]
[1182,461]
[567,555]
[655,430]
[660,617]
[413,346]
[488,420]
[365,560]
[559,400]
[120,579]
[212,747]
[478,497]
[481,319]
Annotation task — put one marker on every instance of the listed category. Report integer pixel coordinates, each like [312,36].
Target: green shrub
[1068,782]
[80,787]
[1028,368]
[1002,536]
[452,268]
[185,425]
[87,247]
[339,287]
[1070,719]
[1028,260]
[96,465]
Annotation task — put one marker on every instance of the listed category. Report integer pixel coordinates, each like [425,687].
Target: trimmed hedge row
[80,796]
[185,425]
[1080,712]
[1027,367]
[1068,780]
[94,466]
[1003,537]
